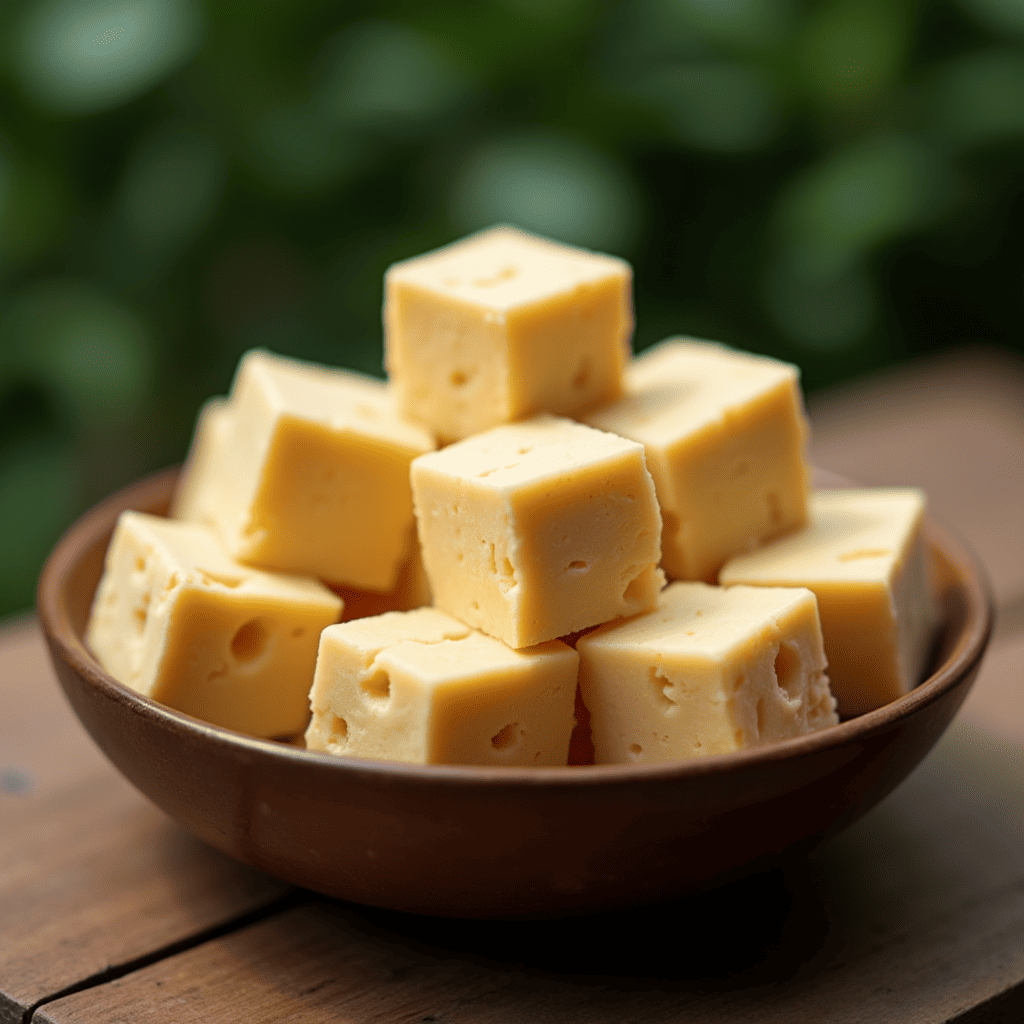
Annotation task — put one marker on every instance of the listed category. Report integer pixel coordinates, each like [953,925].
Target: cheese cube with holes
[709,671]
[865,558]
[725,434]
[537,529]
[310,475]
[177,620]
[420,686]
[503,325]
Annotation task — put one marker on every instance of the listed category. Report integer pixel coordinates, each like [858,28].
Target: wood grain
[915,914]
[91,875]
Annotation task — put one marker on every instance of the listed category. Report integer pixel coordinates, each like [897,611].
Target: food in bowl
[540,527]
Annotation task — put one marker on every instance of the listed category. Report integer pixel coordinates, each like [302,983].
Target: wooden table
[109,912]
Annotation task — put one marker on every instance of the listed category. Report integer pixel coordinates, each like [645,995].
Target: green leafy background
[834,183]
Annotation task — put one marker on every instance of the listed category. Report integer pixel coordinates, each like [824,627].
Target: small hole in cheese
[787,670]
[506,736]
[140,564]
[458,378]
[338,733]
[249,641]
[663,689]
[377,686]
[635,749]
[576,566]
[635,591]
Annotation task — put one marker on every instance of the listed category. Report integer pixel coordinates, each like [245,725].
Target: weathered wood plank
[915,914]
[953,425]
[91,875]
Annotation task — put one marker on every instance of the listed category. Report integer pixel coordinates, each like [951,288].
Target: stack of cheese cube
[491,584]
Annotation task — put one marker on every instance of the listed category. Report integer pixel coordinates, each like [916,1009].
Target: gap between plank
[290,899]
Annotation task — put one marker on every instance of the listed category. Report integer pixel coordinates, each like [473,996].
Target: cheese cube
[311,475]
[419,686]
[711,670]
[411,591]
[533,530]
[864,557]
[503,325]
[175,619]
[198,491]
[724,433]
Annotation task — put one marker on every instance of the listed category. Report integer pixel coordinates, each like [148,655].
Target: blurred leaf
[33,206]
[715,106]
[853,50]
[978,99]
[550,10]
[821,307]
[550,184]
[861,196]
[83,56]
[168,194]
[37,499]
[91,348]
[1001,15]
[298,150]
[744,24]
[385,77]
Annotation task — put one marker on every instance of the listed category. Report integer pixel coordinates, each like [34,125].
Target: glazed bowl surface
[486,842]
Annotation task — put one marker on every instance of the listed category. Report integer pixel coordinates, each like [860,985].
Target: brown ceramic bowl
[473,842]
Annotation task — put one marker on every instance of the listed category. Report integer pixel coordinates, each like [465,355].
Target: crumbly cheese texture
[504,325]
[537,529]
[864,557]
[177,620]
[709,671]
[307,471]
[420,686]
[725,437]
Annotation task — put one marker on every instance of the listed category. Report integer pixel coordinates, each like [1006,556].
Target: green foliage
[836,183]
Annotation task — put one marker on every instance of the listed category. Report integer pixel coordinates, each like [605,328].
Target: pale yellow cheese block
[420,686]
[177,620]
[537,529]
[864,557]
[411,591]
[307,472]
[725,435]
[711,670]
[503,325]
[198,491]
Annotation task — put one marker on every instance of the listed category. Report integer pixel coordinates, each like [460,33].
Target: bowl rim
[65,643]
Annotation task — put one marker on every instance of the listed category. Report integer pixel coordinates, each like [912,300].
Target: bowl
[486,842]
